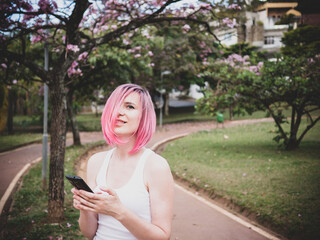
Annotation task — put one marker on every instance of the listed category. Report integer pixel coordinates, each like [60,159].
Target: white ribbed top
[133,195]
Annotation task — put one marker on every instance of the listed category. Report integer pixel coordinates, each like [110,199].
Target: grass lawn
[8,142]
[244,165]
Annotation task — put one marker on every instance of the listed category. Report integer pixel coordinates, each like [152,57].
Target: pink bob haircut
[109,115]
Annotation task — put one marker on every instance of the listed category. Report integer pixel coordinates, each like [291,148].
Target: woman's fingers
[76,203]
[89,196]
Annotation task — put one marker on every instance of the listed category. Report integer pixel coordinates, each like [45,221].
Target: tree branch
[308,128]
[75,18]
[39,71]
[141,22]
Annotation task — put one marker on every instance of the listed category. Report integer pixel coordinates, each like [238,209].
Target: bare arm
[161,189]
[88,220]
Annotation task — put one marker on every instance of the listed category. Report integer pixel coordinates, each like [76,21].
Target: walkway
[194,217]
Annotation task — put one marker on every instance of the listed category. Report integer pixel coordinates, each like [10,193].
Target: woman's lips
[120,122]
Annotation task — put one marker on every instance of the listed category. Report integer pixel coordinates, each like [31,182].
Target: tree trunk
[166,104]
[293,142]
[57,150]
[230,113]
[10,112]
[73,121]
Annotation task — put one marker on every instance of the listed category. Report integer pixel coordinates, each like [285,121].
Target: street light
[162,91]
[45,119]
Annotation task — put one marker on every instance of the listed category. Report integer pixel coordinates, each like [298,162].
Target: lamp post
[161,97]
[45,119]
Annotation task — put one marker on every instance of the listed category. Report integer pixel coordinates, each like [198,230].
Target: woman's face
[129,115]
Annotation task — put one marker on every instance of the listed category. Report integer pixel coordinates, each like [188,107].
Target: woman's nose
[121,110]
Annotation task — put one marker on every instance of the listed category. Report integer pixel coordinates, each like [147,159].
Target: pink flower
[150,53]
[68,225]
[74,64]
[186,28]
[27,18]
[83,56]
[44,5]
[36,39]
[4,65]
[137,55]
[230,23]
[55,5]
[234,6]
[26,6]
[74,70]
[73,48]
[205,6]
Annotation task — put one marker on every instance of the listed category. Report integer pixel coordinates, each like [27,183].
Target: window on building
[227,36]
[268,40]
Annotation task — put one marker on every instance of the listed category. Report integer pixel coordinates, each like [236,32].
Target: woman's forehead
[133,98]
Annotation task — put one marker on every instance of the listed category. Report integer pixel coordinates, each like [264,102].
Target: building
[261,27]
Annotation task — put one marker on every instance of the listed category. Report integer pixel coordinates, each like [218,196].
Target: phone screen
[78,183]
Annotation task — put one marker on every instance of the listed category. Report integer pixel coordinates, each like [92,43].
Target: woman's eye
[130,107]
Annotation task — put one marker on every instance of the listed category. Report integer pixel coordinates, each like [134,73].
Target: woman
[133,186]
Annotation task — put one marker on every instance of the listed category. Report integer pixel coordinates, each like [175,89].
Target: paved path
[194,217]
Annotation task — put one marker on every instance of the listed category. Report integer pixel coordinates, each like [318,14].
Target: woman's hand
[76,203]
[105,202]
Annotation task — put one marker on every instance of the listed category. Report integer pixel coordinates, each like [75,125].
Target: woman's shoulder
[94,164]
[97,158]
[157,172]
[156,161]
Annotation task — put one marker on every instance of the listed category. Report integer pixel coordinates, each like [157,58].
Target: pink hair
[147,124]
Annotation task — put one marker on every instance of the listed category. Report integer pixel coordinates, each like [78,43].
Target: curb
[14,182]
[169,139]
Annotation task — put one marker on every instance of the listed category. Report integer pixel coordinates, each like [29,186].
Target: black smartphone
[78,183]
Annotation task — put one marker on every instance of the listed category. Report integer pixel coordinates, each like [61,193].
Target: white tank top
[133,195]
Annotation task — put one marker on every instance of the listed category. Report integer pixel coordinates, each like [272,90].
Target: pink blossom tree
[72,32]
[223,74]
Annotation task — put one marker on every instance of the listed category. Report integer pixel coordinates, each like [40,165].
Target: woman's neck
[123,150]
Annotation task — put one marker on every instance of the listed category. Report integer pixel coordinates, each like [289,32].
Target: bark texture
[57,151]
